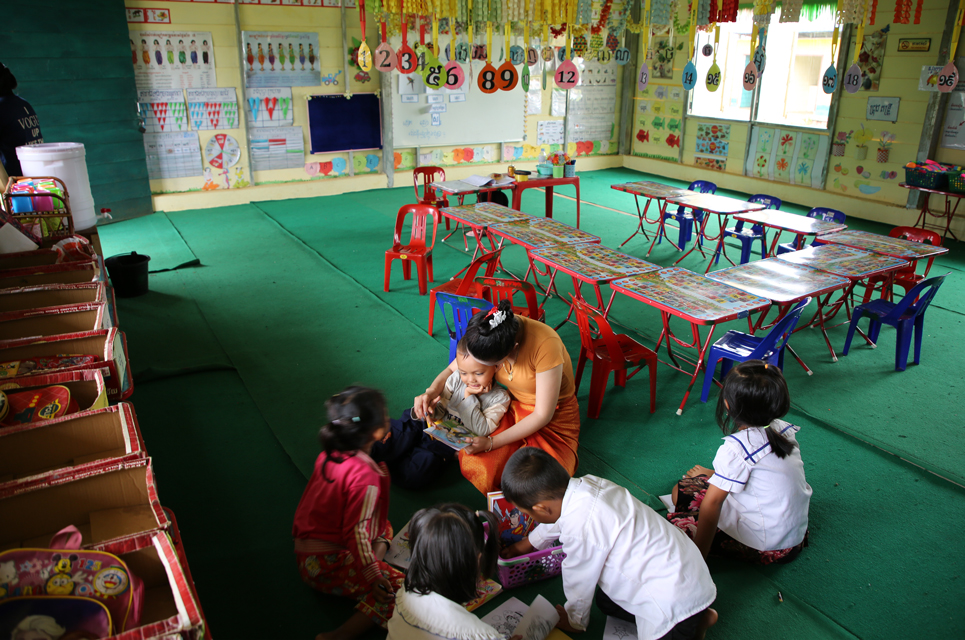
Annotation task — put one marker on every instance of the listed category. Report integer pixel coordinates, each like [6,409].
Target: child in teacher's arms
[469,399]
[341,529]
[753,505]
[451,552]
[640,568]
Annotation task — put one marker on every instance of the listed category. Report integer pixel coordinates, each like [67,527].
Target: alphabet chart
[172,155]
[277,148]
[593,103]
[270,107]
[213,108]
[163,110]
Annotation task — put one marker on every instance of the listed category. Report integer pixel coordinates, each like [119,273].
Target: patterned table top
[591,262]
[542,232]
[793,222]
[779,281]
[721,205]
[844,261]
[650,189]
[886,245]
[483,214]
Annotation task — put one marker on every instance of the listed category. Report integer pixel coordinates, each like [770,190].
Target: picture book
[536,622]
[485,591]
[450,434]
[617,629]
[514,525]
[399,552]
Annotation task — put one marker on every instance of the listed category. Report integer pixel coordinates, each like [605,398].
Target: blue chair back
[779,334]
[770,202]
[827,214]
[915,301]
[703,186]
[460,310]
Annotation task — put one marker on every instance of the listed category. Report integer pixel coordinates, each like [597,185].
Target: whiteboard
[479,118]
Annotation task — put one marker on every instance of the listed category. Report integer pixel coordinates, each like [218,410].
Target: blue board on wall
[337,123]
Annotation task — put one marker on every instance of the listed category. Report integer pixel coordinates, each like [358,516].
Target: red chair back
[585,314]
[468,286]
[504,288]
[427,175]
[923,236]
[421,215]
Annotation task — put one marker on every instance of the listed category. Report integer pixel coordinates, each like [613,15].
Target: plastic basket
[531,567]
[544,169]
[956,183]
[926,179]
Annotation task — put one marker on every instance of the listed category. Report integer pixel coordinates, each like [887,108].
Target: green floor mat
[152,235]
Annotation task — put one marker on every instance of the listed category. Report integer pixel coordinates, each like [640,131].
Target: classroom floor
[234,358]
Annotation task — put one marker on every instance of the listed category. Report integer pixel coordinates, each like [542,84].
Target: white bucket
[64,160]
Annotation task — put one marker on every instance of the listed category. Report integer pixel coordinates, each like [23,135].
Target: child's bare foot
[709,620]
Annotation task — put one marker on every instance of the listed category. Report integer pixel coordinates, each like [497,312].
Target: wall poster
[281,59]
[173,60]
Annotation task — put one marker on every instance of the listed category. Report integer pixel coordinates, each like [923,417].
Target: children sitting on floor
[469,400]
[450,552]
[342,529]
[753,505]
[641,568]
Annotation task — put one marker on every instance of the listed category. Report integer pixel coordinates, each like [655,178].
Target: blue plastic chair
[904,315]
[687,220]
[821,213]
[461,310]
[736,346]
[748,236]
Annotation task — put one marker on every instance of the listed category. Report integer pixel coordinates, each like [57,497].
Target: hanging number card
[713,78]
[947,78]
[487,79]
[365,57]
[760,59]
[644,78]
[690,76]
[454,75]
[385,58]
[508,77]
[852,79]
[567,75]
[750,76]
[407,59]
[622,56]
[830,80]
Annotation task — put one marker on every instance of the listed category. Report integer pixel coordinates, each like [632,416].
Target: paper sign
[437,108]
[435,99]
[410,98]
[457,97]
[885,109]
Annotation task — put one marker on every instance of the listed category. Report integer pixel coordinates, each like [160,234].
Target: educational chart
[222,151]
[281,59]
[592,104]
[172,155]
[278,148]
[213,108]
[787,155]
[163,110]
[270,107]
[713,141]
[173,60]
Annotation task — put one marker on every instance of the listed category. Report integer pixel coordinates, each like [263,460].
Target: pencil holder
[569,169]
[557,171]
[531,567]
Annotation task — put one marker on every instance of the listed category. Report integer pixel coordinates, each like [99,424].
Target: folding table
[694,298]
[801,226]
[461,189]
[784,284]
[651,191]
[540,232]
[480,216]
[722,206]
[593,264]
[853,264]
[548,184]
[885,245]
[948,214]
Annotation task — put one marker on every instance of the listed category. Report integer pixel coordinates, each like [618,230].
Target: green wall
[72,60]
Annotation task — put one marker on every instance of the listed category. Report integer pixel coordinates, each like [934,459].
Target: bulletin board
[422,117]
[338,123]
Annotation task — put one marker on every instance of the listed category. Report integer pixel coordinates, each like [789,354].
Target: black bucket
[128,274]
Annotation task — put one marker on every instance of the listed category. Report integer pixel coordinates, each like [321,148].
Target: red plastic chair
[906,277]
[428,196]
[464,283]
[497,289]
[609,352]
[416,251]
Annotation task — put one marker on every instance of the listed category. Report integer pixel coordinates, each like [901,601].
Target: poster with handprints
[281,59]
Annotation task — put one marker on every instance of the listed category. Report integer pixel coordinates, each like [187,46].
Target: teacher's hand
[423,404]
[479,445]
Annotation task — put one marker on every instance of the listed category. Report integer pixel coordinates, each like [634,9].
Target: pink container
[531,567]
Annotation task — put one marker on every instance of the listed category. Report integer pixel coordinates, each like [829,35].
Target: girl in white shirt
[753,505]
[450,553]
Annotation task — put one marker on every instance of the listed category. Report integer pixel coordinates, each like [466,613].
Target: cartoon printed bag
[67,570]
[63,617]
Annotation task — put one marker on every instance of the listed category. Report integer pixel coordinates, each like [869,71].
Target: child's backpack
[67,570]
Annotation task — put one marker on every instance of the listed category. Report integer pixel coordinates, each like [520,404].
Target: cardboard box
[171,608]
[86,387]
[174,533]
[40,298]
[53,321]
[114,504]
[24,259]
[109,345]
[71,445]
[67,273]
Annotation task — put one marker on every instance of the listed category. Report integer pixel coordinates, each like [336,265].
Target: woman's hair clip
[497,319]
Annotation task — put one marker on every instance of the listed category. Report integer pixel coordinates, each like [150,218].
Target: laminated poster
[270,107]
[163,110]
[173,60]
[172,155]
[210,109]
[281,59]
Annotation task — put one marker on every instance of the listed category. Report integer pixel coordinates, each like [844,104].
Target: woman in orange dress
[534,366]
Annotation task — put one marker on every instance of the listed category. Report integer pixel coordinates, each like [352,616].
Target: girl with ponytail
[753,505]
[342,529]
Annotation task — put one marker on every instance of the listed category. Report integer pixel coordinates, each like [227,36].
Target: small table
[696,299]
[461,189]
[722,206]
[651,191]
[540,232]
[948,214]
[549,184]
[801,226]
[593,264]
[784,284]
[885,245]
[480,216]
[853,264]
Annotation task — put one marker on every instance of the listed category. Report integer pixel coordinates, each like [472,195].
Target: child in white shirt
[646,570]
[753,505]
[450,553]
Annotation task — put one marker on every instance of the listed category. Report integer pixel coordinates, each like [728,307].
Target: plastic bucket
[128,273]
[64,160]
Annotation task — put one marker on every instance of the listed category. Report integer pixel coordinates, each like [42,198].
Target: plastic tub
[128,273]
[532,567]
[65,160]
[522,176]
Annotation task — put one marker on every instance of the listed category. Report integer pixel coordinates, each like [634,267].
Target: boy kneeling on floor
[647,571]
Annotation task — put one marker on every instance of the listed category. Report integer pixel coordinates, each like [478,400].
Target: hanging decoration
[948,76]
[830,80]
[385,58]
[712,81]
[689,76]
[364,56]
[852,79]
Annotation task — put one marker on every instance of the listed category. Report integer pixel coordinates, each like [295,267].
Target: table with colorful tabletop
[540,232]
[801,226]
[548,184]
[651,191]
[926,211]
[695,298]
[480,216]
[784,284]
[853,264]
[722,206]
[593,264]
[885,245]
